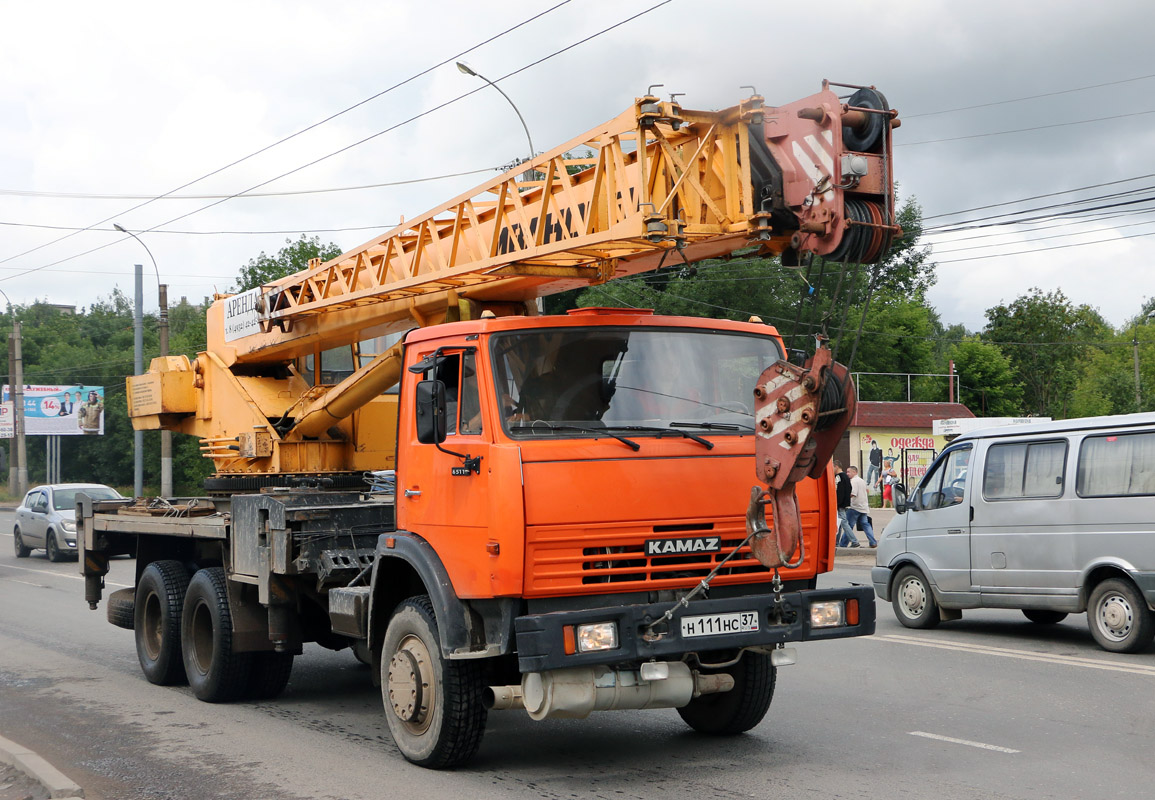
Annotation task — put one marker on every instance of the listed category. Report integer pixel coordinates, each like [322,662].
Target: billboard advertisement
[69,410]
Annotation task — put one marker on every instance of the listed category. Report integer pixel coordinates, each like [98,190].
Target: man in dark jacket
[846,536]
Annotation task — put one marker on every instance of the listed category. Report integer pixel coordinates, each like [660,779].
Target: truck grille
[560,560]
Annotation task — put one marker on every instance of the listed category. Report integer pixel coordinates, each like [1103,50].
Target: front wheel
[1119,618]
[741,708]
[52,548]
[216,673]
[433,705]
[913,600]
[21,550]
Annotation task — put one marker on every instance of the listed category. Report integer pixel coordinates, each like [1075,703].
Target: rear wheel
[156,620]
[741,708]
[21,550]
[52,547]
[1119,618]
[913,600]
[215,672]
[433,705]
[1041,616]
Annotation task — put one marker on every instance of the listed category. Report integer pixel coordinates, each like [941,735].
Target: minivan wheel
[913,601]
[1119,618]
[1042,616]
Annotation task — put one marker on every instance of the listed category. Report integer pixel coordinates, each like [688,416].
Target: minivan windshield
[575,382]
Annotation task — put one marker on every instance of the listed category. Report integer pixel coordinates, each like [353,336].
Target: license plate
[717,624]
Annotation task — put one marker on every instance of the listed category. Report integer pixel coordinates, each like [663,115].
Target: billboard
[69,410]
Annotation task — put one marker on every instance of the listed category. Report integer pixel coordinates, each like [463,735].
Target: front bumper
[540,637]
[880,577]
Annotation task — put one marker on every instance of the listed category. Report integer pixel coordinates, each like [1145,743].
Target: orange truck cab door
[440,495]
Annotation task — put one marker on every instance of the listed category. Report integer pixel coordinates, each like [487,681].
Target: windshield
[578,381]
[65,499]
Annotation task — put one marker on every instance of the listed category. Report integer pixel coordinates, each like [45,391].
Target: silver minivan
[1053,518]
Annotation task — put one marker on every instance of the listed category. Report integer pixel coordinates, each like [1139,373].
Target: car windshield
[65,499]
[638,381]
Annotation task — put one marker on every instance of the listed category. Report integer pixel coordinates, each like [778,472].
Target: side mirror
[900,499]
[430,411]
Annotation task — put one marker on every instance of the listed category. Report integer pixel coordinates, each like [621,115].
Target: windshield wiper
[662,432]
[713,426]
[628,442]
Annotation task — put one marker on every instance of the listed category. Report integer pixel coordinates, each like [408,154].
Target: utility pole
[18,411]
[138,364]
[165,435]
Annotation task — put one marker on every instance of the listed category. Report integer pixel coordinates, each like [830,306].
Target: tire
[913,600]
[1119,618]
[52,548]
[157,609]
[18,540]
[433,706]
[741,708]
[122,608]
[1041,616]
[269,675]
[361,652]
[215,672]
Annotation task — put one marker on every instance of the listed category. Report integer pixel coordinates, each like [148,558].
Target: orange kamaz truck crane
[565,524]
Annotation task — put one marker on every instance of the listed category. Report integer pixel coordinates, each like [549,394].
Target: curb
[35,767]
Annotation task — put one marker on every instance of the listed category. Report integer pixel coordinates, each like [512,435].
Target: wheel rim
[151,632]
[1115,616]
[411,684]
[52,550]
[912,597]
[19,541]
[202,638]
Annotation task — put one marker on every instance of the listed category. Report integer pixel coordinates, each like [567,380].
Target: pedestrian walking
[858,514]
[846,537]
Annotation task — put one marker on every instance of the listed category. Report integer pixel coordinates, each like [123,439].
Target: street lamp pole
[467,70]
[165,435]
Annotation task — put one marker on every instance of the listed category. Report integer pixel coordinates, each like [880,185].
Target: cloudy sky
[104,106]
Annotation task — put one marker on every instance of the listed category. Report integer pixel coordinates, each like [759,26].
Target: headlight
[68,525]
[597,636]
[828,615]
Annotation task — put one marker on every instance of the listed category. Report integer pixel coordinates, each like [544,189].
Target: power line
[303,130]
[1039,197]
[354,144]
[1024,130]
[1028,97]
[172,196]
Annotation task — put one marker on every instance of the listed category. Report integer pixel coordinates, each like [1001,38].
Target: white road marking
[30,583]
[967,742]
[1025,655]
[60,575]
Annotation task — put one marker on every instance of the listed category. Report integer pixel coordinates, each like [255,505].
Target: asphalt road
[991,706]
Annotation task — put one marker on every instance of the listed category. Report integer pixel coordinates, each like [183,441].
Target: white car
[46,518]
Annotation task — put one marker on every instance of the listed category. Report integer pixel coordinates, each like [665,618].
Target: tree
[1045,338]
[986,384]
[293,257]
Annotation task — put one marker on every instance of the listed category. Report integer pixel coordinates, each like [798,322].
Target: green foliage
[1044,336]
[986,384]
[293,257]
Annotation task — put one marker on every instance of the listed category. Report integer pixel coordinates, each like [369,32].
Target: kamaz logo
[673,547]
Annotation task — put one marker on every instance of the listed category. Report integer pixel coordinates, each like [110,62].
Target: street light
[162,329]
[465,69]
[18,469]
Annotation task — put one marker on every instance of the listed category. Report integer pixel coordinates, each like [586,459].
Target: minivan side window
[1117,464]
[945,484]
[1024,470]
